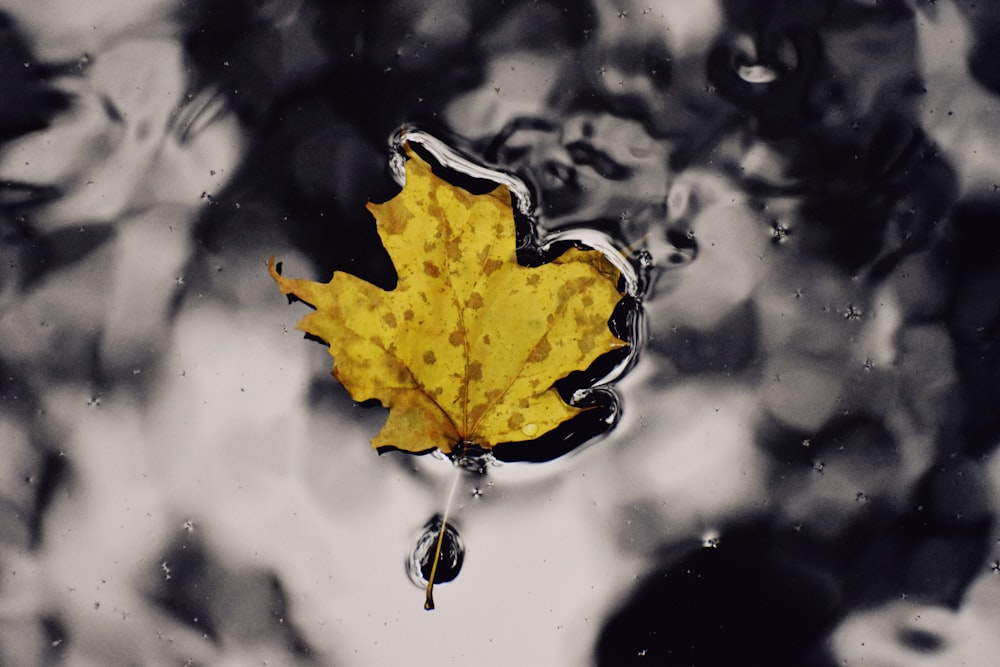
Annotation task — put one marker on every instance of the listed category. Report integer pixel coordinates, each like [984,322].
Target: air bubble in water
[421,560]
[711,539]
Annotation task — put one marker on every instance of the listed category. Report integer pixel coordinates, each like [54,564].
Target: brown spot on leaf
[540,351]
[431,269]
[429,357]
[408,315]
[475,373]
[492,266]
[515,421]
[486,339]
[456,338]
[475,301]
[586,344]
[533,279]
[394,220]
[477,411]
[434,209]
[390,320]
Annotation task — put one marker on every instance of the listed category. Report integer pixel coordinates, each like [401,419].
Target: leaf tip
[274,268]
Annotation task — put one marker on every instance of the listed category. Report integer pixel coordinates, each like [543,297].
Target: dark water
[798,468]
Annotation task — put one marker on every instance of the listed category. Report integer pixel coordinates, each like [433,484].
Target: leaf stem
[429,603]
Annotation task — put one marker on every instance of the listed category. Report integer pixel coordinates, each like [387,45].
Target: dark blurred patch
[28,102]
[932,551]
[228,605]
[921,641]
[974,318]
[984,56]
[53,474]
[37,640]
[306,184]
[769,62]
[40,471]
[413,57]
[862,441]
[43,254]
[847,134]
[731,346]
[886,198]
[57,637]
[748,601]
[253,51]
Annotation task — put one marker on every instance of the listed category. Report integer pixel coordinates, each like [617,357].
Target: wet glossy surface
[802,465]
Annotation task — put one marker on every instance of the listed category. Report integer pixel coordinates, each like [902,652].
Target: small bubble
[622,14]
[476,492]
[869,364]
[819,466]
[852,312]
[421,560]
[711,540]
[778,232]
[861,497]
[188,525]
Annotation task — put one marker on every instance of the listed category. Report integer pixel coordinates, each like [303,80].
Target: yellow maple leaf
[466,348]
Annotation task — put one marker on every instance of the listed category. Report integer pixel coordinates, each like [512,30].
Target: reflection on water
[803,471]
